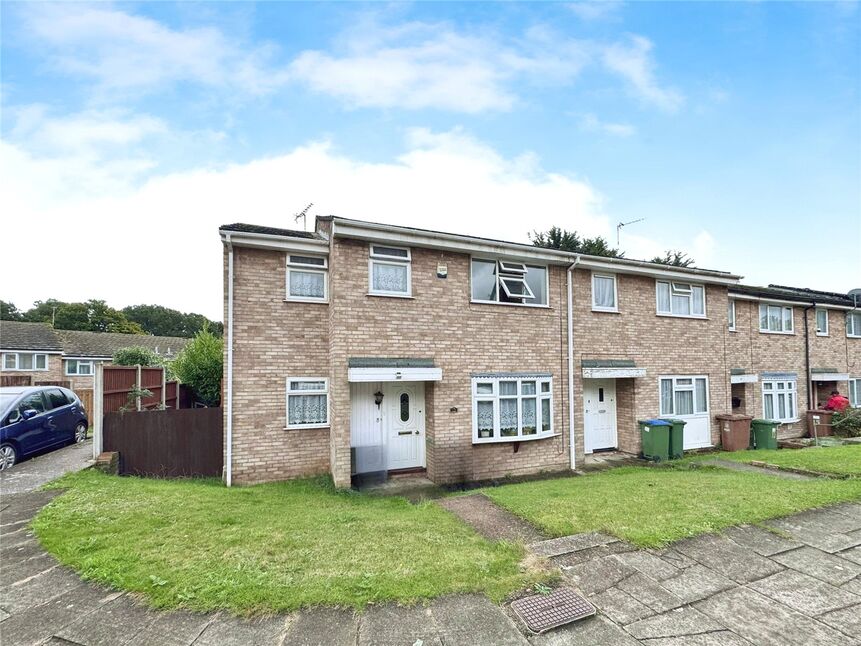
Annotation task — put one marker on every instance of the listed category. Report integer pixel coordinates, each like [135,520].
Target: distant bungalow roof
[799,294]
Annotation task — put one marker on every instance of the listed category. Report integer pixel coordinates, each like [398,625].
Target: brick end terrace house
[363,347]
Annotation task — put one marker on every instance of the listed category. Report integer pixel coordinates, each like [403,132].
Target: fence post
[163,388]
[98,409]
[138,388]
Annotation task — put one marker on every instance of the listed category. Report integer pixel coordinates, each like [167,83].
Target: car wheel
[8,456]
[80,432]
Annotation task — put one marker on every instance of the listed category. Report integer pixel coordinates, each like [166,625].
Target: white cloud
[590,10]
[633,62]
[591,123]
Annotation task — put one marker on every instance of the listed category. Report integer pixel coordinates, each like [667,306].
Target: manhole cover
[541,612]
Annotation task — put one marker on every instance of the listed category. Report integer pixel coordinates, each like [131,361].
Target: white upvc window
[508,282]
[780,399]
[79,367]
[389,271]
[25,361]
[686,395]
[307,278]
[680,299]
[307,402]
[855,393]
[853,324]
[776,319]
[511,408]
[604,293]
[821,321]
[730,314]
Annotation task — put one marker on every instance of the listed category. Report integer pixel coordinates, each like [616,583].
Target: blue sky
[733,128]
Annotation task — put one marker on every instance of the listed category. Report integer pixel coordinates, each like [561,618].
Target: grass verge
[651,507]
[841,460]
[267,548]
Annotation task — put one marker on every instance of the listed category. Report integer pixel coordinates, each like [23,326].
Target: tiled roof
[382,362]
[76,343]
[269,231]
[799,294]
[17,335]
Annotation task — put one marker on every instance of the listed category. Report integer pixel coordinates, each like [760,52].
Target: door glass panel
[485,419]
[546,420]
[684,402]
[508,417]
[701,396]
[529,421]
[405,407]
[600,394]
[666,396]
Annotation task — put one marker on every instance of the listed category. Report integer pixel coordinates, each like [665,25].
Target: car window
[56,398]
[33,401]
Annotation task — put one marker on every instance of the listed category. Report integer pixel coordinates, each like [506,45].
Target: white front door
[599,410]
[366,428]
[404,424]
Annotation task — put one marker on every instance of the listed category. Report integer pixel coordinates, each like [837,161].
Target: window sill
[682,316]
[822,335]
[509,440]
[853,336]
[787,421]
[601,310]
[318,301]
[535,307]
[732,329]
[775,332]
[305,428]
[382,295]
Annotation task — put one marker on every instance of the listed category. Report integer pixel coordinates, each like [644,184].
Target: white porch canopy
[365,369]
[829,376]
[611,369]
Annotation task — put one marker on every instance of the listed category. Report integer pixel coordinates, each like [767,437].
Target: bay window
[779,400]
[505,281]
[684,396]
[775,319]
[509,408]
[307,278]
[307,402]
[389,271]
[680,299]
[604,293]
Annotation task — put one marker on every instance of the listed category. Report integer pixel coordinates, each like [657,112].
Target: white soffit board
[744,379]
[355,375]
[613,373]
[829,376]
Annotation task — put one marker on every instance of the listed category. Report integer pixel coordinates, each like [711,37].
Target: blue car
[37,419]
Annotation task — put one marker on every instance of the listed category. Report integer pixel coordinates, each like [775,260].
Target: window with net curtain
[512,408]
[604,292]
[307,402]
[389,270]
[306,277]
[684,395]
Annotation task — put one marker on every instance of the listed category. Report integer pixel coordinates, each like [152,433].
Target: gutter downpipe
[807,356]
[229,439]
[571,366]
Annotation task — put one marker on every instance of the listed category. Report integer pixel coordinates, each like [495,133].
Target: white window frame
[294,264]
[790,389]
[677,387]
[379,258]
[511,275]
[853,329]
[294,393]
[678,288]
[77,363]
[855,392]
[35,356]
[731,315]
[495,396]
[783,309]
[601,308]
[823,332]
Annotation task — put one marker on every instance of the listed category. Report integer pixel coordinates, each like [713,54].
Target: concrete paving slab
[764,621]
[40,589]
[235,631]
[19,536]
[113,623]
[18,552]
[847,620]
[827,567]
[761,541]
[652,566]
[749,468]
[589,632]
[673,557]
[697,582]
[568,544]
[813,533]
[490,520]
[620,606]
[26,568]
[853,586]
[804,593]
[392,625]
[322,627]
[599,574]
[852,509]
[172,629]
[727,557]
[829,518]
[650,592]
[4,615]
[674,623]
[717,638]
[473,619]
[574,558]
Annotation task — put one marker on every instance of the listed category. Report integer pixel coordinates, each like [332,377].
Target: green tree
[674,258]
[8,312]
[93,316]
[164,321]
[136,355]
[199,365]
[556,238]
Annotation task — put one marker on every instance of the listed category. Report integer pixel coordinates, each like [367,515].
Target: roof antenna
[624,224]
[304,215]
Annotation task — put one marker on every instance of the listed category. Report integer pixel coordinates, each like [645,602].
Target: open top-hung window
[307,402]
[504,281]
[307,278]
[681,299]
[510,408]
[775,318]
[389,271]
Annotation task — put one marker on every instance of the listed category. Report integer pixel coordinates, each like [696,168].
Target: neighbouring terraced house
[363,347]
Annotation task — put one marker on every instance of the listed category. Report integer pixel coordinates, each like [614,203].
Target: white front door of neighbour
[404,424]
[599,410]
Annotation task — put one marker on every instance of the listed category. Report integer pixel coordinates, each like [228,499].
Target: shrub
[136,355]
[199,366]
[847,423]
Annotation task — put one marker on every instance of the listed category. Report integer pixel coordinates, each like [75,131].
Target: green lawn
[654,506]
[844,460]
[199,545]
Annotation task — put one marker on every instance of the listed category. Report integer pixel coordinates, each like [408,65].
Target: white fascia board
[648,269]
[743,379]
[275,243]
[829,376]
[786,303]
[613,373]
[355,375]
[33,351]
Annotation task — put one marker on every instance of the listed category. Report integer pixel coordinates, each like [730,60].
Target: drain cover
[541,612]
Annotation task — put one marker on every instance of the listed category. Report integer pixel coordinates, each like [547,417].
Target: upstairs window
[681,299]
[307,279]
[730,314]
[77,367]
[853,324]
[775,319]
[504,281]
[511,408]
[604,293]
[821,322]
[25,361]
[389,271]
[779,400]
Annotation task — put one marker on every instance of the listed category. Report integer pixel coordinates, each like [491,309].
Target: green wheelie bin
[655,438]
[763,434]
[677,437]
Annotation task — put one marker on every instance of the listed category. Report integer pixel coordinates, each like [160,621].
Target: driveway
[31,474]
[796,583]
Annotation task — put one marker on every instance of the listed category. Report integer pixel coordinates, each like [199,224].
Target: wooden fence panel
[167,443]
[15,380]
[86,397]
[118,382]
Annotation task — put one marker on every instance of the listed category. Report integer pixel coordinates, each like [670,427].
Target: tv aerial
[304,215]
[624,224]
